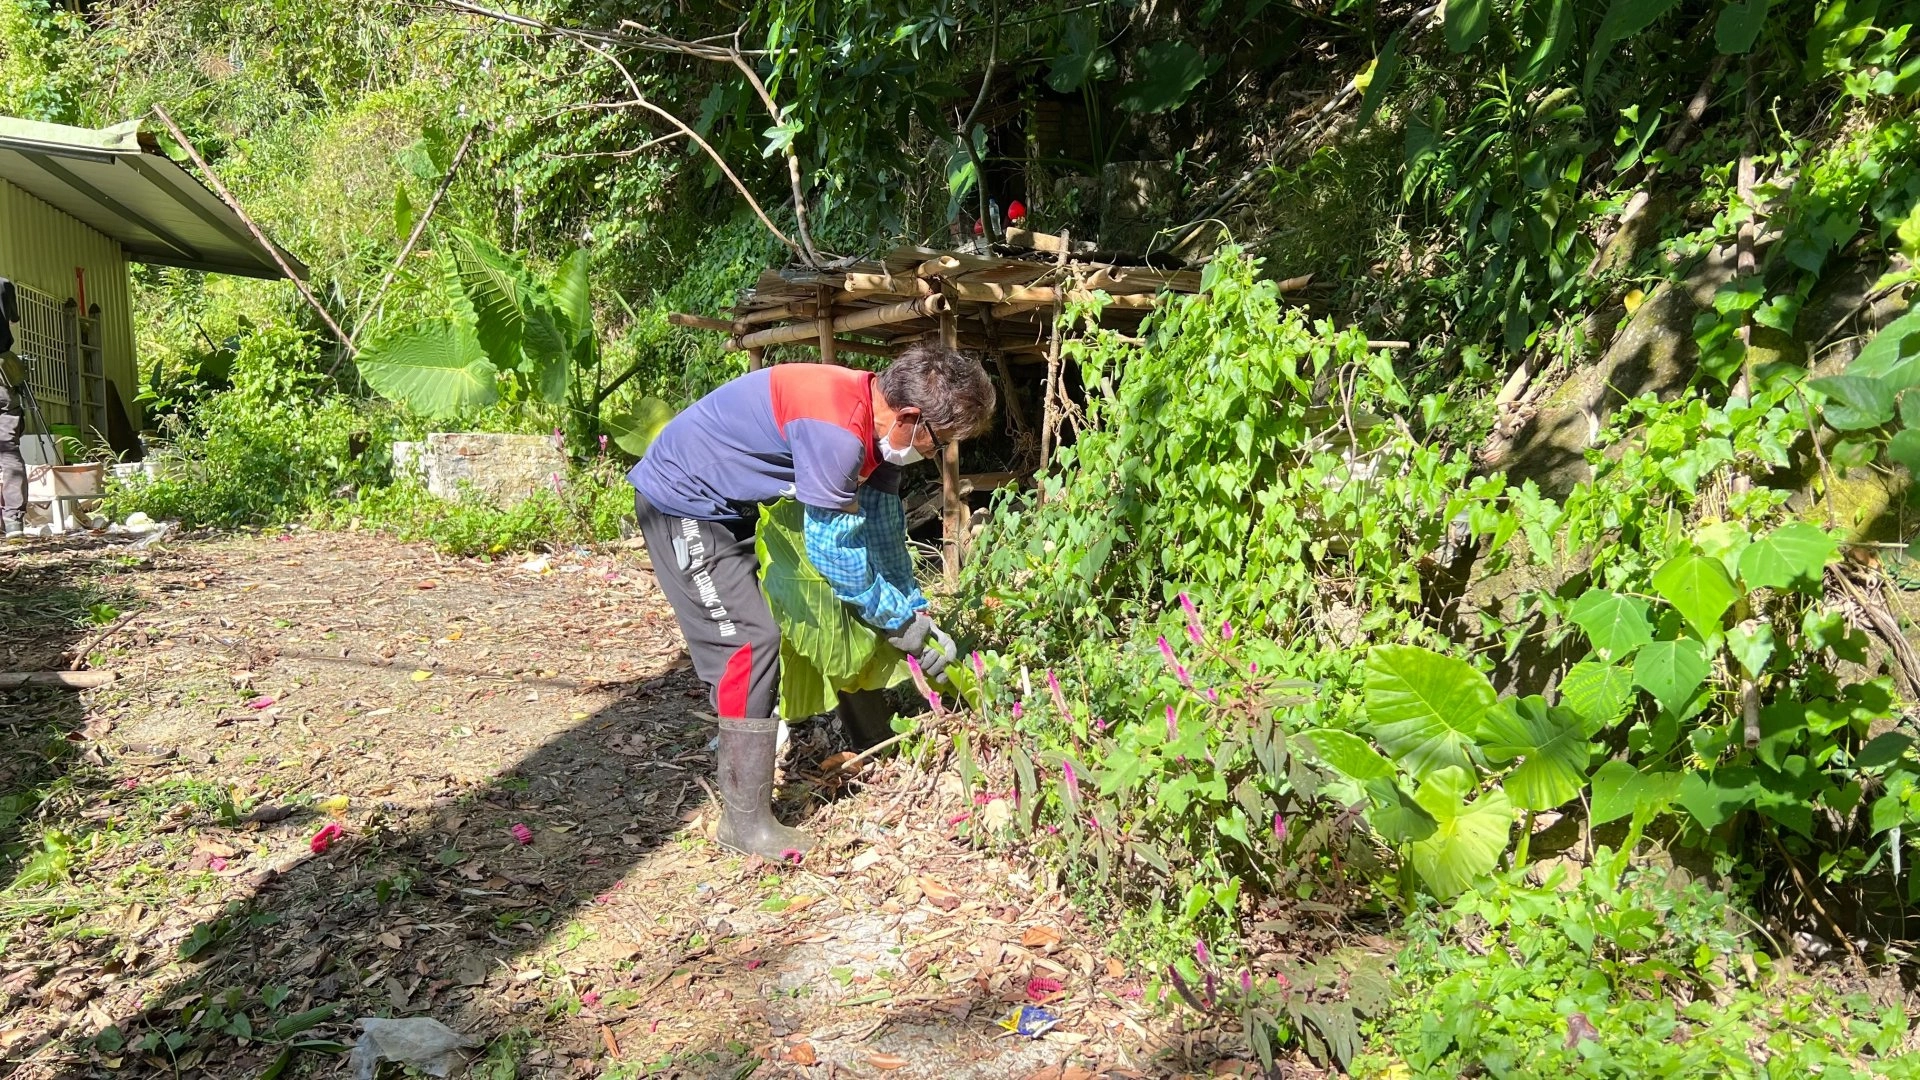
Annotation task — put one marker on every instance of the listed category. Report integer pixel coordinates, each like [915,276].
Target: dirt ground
[167,910]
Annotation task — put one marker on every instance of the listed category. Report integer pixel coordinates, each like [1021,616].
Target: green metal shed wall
[41,246]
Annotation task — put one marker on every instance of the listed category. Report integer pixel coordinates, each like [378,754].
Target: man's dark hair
[949,388]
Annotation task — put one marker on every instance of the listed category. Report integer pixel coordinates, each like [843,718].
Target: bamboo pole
[266,245]
[939,266]
[906,311]
[68,680]
[953,517]
[767,315]
[823,318]
[756,359]
[699,322]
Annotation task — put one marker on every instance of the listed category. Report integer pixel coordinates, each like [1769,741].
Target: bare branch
[372,309]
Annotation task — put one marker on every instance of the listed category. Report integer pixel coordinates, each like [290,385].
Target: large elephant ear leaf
[497,288]
[1468,837]
[1550,746]
[435,368]
[823,647]
[1423,708]
[570,291]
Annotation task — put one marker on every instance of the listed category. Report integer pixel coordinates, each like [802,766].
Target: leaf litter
[513,847]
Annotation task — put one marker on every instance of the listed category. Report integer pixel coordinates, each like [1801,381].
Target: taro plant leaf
[1671,671]
[1792,556]
[1624,19]
[1615,624]
[1350,754]
[1085,58]
[1551,748]
[1751,643]
[436,368]
[1855,402]
[1619,789]
[571,293]
[1699,588]
[1467,837]
[1597,693]
[1739,25]
[1465,23]
[634,431]
[1394,814]
[1425,708]
[823,647]
[495,284]
[1169,70]
[1714,797]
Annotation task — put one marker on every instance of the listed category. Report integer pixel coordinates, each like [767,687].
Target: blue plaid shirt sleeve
[864,558]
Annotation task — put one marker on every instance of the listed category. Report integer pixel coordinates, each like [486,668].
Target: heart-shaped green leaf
[1792,556]
[1855,402]
[1751,643]
[1699,588]
[1615,624]
[1619,789]
[1671,671]
[1597,693]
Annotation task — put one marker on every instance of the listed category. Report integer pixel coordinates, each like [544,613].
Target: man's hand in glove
[926,642]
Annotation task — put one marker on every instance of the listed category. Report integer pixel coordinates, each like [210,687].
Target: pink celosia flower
[1173,726]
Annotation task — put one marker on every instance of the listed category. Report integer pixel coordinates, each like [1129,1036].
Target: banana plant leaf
[824,648]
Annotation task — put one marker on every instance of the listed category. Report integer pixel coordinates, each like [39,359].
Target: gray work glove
[923,640]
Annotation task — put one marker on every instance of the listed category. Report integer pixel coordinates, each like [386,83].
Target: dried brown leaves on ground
[342,777]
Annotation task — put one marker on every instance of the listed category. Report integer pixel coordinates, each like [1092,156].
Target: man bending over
[834,439]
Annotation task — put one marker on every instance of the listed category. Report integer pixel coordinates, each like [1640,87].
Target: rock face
[504,469]
[1653,354]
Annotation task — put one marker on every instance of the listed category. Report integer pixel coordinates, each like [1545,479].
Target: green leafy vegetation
[1296,635]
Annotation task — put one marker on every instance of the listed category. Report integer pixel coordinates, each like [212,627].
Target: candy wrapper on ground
[1031,1021]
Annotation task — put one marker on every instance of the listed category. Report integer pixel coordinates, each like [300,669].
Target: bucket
[45,482]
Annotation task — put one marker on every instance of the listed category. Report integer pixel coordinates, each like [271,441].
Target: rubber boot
[867,717]
[747,824]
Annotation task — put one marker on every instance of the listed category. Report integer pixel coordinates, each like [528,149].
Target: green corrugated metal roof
[118,182]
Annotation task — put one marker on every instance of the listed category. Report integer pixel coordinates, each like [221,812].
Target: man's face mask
[901,455]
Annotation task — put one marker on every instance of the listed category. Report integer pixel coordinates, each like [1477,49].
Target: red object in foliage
[979,228]
[1040,988]
[521,834]
[324,839]
[1016,211]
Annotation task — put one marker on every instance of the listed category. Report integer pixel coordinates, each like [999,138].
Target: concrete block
[502,468]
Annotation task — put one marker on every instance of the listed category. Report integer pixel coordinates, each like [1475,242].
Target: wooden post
[953,515]
[823,315]
[756,359]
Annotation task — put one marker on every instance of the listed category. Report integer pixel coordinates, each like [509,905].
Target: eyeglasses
[939,444]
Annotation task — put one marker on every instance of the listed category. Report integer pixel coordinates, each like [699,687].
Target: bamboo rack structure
[1000,303]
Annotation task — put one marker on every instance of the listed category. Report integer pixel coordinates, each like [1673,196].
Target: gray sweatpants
[711,576]
[13,467]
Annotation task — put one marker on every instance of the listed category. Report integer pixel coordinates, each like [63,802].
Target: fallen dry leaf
[801,1053]
[938,894]
[1039,937]
[887,1061]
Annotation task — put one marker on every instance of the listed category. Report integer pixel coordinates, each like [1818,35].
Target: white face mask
[895,456]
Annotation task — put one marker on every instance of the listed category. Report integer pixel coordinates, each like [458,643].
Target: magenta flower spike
[1246,982]
[1226,629]
[1059,698]
[1200,952]
[1186,604]
[920,683]
[979,667]
[1173,726]
[1213,695]
[1179,672]
[1279,827]
[1017,710]
[1193,631]
[1253,667]
[1072,781]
